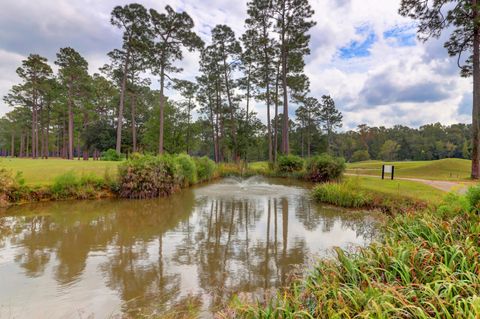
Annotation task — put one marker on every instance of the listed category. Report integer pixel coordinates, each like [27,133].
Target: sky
[363,53]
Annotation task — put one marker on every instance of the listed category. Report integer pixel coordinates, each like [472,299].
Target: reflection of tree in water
[232,255]
[313,215]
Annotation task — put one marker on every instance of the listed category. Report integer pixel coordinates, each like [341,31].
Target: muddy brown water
[118,258]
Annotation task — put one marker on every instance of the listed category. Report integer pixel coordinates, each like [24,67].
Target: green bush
[205,168]
[148,177]
[289,164]
[187,170]
[324,168]
[111,155]
[360,156]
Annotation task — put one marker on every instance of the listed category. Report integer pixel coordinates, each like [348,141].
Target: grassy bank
[426,266]
[451,169]
[43,172]
[138,177]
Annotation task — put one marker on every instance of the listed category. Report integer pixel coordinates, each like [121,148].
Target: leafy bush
[148,177]
[324,168]
[360,156]
[289,164]
[205,168]
[8,187]
[187,170]
[112,155]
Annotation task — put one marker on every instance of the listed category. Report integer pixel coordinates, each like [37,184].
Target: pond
[116,258]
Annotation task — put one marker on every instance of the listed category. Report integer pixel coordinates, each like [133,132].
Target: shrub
[324,168]
[187,170]
[148,177]
[205,168]
[289,164]
[112,155]
[8,187]
[360,156]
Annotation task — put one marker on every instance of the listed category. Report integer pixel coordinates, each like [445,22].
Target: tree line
[74,113]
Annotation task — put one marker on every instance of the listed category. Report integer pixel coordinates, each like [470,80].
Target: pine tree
[330,117]
[292,19]
[133,20]
[172,31]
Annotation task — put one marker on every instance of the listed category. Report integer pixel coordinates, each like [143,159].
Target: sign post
[388,169]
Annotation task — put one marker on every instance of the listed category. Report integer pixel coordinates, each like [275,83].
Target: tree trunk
[162,107]
[12,145]
[27,153]
[47,134]
[188,127]
[34,119]
[118,147]
[70,122]
[476,96]
[134,125]
[22,144]
[232,117]
[285,141]
[275,150]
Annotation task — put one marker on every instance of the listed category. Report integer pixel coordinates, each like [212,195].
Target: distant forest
[72,113]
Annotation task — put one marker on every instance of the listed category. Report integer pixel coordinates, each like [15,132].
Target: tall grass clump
[426,266]
[289,164]
[324,168]
[205,168]
[148,177]
[187,170]
[346,194]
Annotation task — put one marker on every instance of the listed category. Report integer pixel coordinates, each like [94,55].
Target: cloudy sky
[362,53]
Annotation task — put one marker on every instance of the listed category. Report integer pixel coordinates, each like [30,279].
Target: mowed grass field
[44,172]
[451,169]
[400,188]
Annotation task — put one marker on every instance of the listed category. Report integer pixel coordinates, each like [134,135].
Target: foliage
[148,177]
[473,199]
[112,155]
[187,169]
[324,168]
[360,156]
[289,164]
[425,267]
[205,168]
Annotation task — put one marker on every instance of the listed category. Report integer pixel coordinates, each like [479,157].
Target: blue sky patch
[356,49]
[404,36]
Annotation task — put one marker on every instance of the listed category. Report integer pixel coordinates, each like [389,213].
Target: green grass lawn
[43,172]
[451,169]
[400,188]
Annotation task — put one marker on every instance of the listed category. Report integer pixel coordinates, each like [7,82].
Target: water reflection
[110,257]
